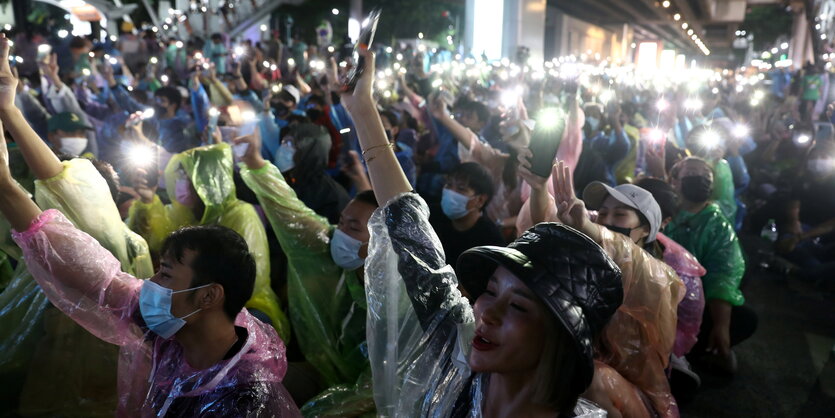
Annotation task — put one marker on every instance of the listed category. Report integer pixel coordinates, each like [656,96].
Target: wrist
[255,163]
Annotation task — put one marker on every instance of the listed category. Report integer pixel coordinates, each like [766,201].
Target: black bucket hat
[572,275]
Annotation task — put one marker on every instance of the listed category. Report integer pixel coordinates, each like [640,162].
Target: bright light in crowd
[248,116]
[715,90]
[665,4]
[606,96]
[693,104]
[291,62]
[141,156]
[198,55]
[684,25]
[437,83]
[163,78]
[7,26]
[655,135]
[267,64]
[803,139]
[276,88]
[487,28]
[741,131]
[178,44]
[213,112]
[676,17]
[148,113]
[331,49]
[91,54]
[420,35]
[784,45]
[647,55]
[44,48]
[263,28]
[113,61]
[759,94]
[85,71]
[548,118]
[389,50]
[510,98]
[399,57]
[63,33]
[710,139]
[335,12]
[154,60]
[239,50]
[662,104]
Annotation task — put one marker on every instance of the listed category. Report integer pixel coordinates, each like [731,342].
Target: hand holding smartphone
[363,43]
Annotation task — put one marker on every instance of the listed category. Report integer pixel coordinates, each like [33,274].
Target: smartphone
[363,43]
[545,140]
[44,51]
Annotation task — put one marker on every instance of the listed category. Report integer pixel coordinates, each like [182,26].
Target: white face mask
[284,157]
[593,122]
[345,251]
[73,145]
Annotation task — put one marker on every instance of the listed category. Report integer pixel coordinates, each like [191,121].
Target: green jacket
[327,304]
[723,189]
[710,237]
[210,170]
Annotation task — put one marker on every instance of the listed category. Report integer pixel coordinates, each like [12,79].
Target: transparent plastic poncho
[639,338]
[327,304]
[85,281]
[57,365]
[692,305]
[710,237]
[210,170]
[419,325]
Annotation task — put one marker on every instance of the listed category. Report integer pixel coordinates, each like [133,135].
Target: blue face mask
[345,251]
[155,306]
[593,122]
[284,157]
[454,204]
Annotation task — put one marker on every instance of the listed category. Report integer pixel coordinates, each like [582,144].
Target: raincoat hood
[210,170]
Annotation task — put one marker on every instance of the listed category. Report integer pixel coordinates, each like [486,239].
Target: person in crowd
[701,228]
[325,281]
[683,380]
[524,299]
[635,346]
[460,221]
[56,364]
[391,123]
[201,189]
[707,142]
[303,159]
[807,223]
[67,133]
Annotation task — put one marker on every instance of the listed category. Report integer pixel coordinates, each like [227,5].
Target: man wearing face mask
[67,133]
[200,186]
[460,223]
[702,229]
[285,104]
[325,285]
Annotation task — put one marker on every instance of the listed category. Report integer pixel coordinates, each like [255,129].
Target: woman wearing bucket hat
[634,348]
[526,346]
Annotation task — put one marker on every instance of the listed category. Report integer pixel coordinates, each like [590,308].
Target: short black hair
[663,193]
[392,117]
[285,95]
[367,197]
[479,109]
[171,93]
[217,37]
[477,178]
[222,257]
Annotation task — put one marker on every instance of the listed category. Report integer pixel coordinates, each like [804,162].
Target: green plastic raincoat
[710,237]
[210,170]
[326,302]
[58,367]
[723,189]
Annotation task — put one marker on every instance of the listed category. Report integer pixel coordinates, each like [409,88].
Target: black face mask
[314,114]
[620,230]
[696,189]
[280,110]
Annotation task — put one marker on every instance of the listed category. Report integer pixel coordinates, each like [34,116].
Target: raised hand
[570,209]
[139,179]
[252,157]
[536,182]
[8,81]
[362,97]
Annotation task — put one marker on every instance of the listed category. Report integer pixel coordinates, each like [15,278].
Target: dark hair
[390,116]
[171,93]
[285,95]
[367,197]
[111,177]
[222,257]
[479,109]
[677,167]
[217,37]
[77,42]
[663,193]
[477,178]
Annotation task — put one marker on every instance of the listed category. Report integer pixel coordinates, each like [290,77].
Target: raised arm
[459,131]
[387,177]
[39,157]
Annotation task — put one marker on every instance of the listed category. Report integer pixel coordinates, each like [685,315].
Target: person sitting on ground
[539,304]
[324,286]
[460,222]
[634,349]
[702,228]
[202,353]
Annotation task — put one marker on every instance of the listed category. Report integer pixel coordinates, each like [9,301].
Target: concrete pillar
[524,25]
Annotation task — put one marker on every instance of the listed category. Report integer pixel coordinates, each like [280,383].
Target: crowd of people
[207,228]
